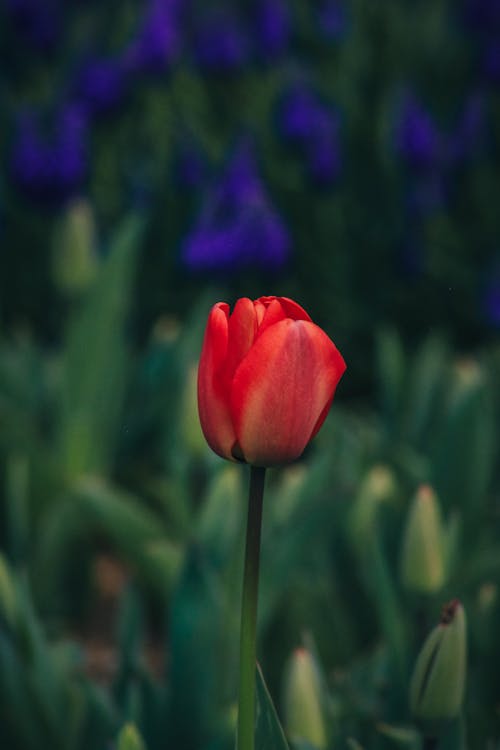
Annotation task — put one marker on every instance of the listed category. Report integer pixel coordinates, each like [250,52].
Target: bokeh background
[159,156]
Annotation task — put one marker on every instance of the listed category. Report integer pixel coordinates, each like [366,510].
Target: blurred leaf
[455,738]
[94,362]
[202,644]
[425,387]
[221,515]
[365,527]
[129,523]
[403,736]
[353,744]
[464,457]
[17,506]
[391,372]
[269,734]
[133,528]
[451,534]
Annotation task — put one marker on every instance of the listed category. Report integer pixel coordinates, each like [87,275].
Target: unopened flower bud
[303,712]
[75,258]
[378,487]
[423,554]
[438,681]
[129,739]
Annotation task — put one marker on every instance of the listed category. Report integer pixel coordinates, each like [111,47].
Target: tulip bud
[266,380]
[423,554]
[130,739]
[303,715]
[438,681]
[74,258]
[377,488]
[8,603]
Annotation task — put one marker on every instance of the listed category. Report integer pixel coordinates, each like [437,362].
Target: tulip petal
[241,333]
[293,310]
[213,386]
[282,389]
[274,313]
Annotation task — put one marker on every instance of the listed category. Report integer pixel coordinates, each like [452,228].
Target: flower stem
[246,707]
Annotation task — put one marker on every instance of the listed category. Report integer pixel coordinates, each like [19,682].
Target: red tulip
[266,380]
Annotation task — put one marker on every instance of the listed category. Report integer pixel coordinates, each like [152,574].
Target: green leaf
[353,744]
[404,736]
[203,638]
[269,734]
[464,451]
[391,368]
[94,362]
[425,386]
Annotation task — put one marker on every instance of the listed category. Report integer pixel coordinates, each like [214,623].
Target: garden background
[158,157]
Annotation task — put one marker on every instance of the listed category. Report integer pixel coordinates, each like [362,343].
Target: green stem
[246,707]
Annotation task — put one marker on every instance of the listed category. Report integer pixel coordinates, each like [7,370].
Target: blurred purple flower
[159,40]
[323,150]
[331,19]
[417,139]
[221,42]
[51,169]
[240,183]
[299,113]
[307,122]
[238,227]
[483,14]
[469,134]
[273,27]
[100,85]
[38,21]
[491,298]
[490,63]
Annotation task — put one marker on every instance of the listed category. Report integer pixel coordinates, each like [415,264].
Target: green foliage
[122,542]
[269,734]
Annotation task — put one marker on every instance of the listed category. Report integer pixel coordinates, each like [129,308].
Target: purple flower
[484,15]
[299,113]
[221,42]
[51,168]
[491,297]
[314,127]
[100,85]
[158,43]
[238,227]
[469,134]
[490,63]
[417,139]
[323,151]
[38,21]
[273,27]
[332,19]
[240,183]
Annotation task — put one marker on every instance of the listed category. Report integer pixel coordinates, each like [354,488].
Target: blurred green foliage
[121,534]
[122,540]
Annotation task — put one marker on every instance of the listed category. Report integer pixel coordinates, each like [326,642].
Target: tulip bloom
[266,380]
